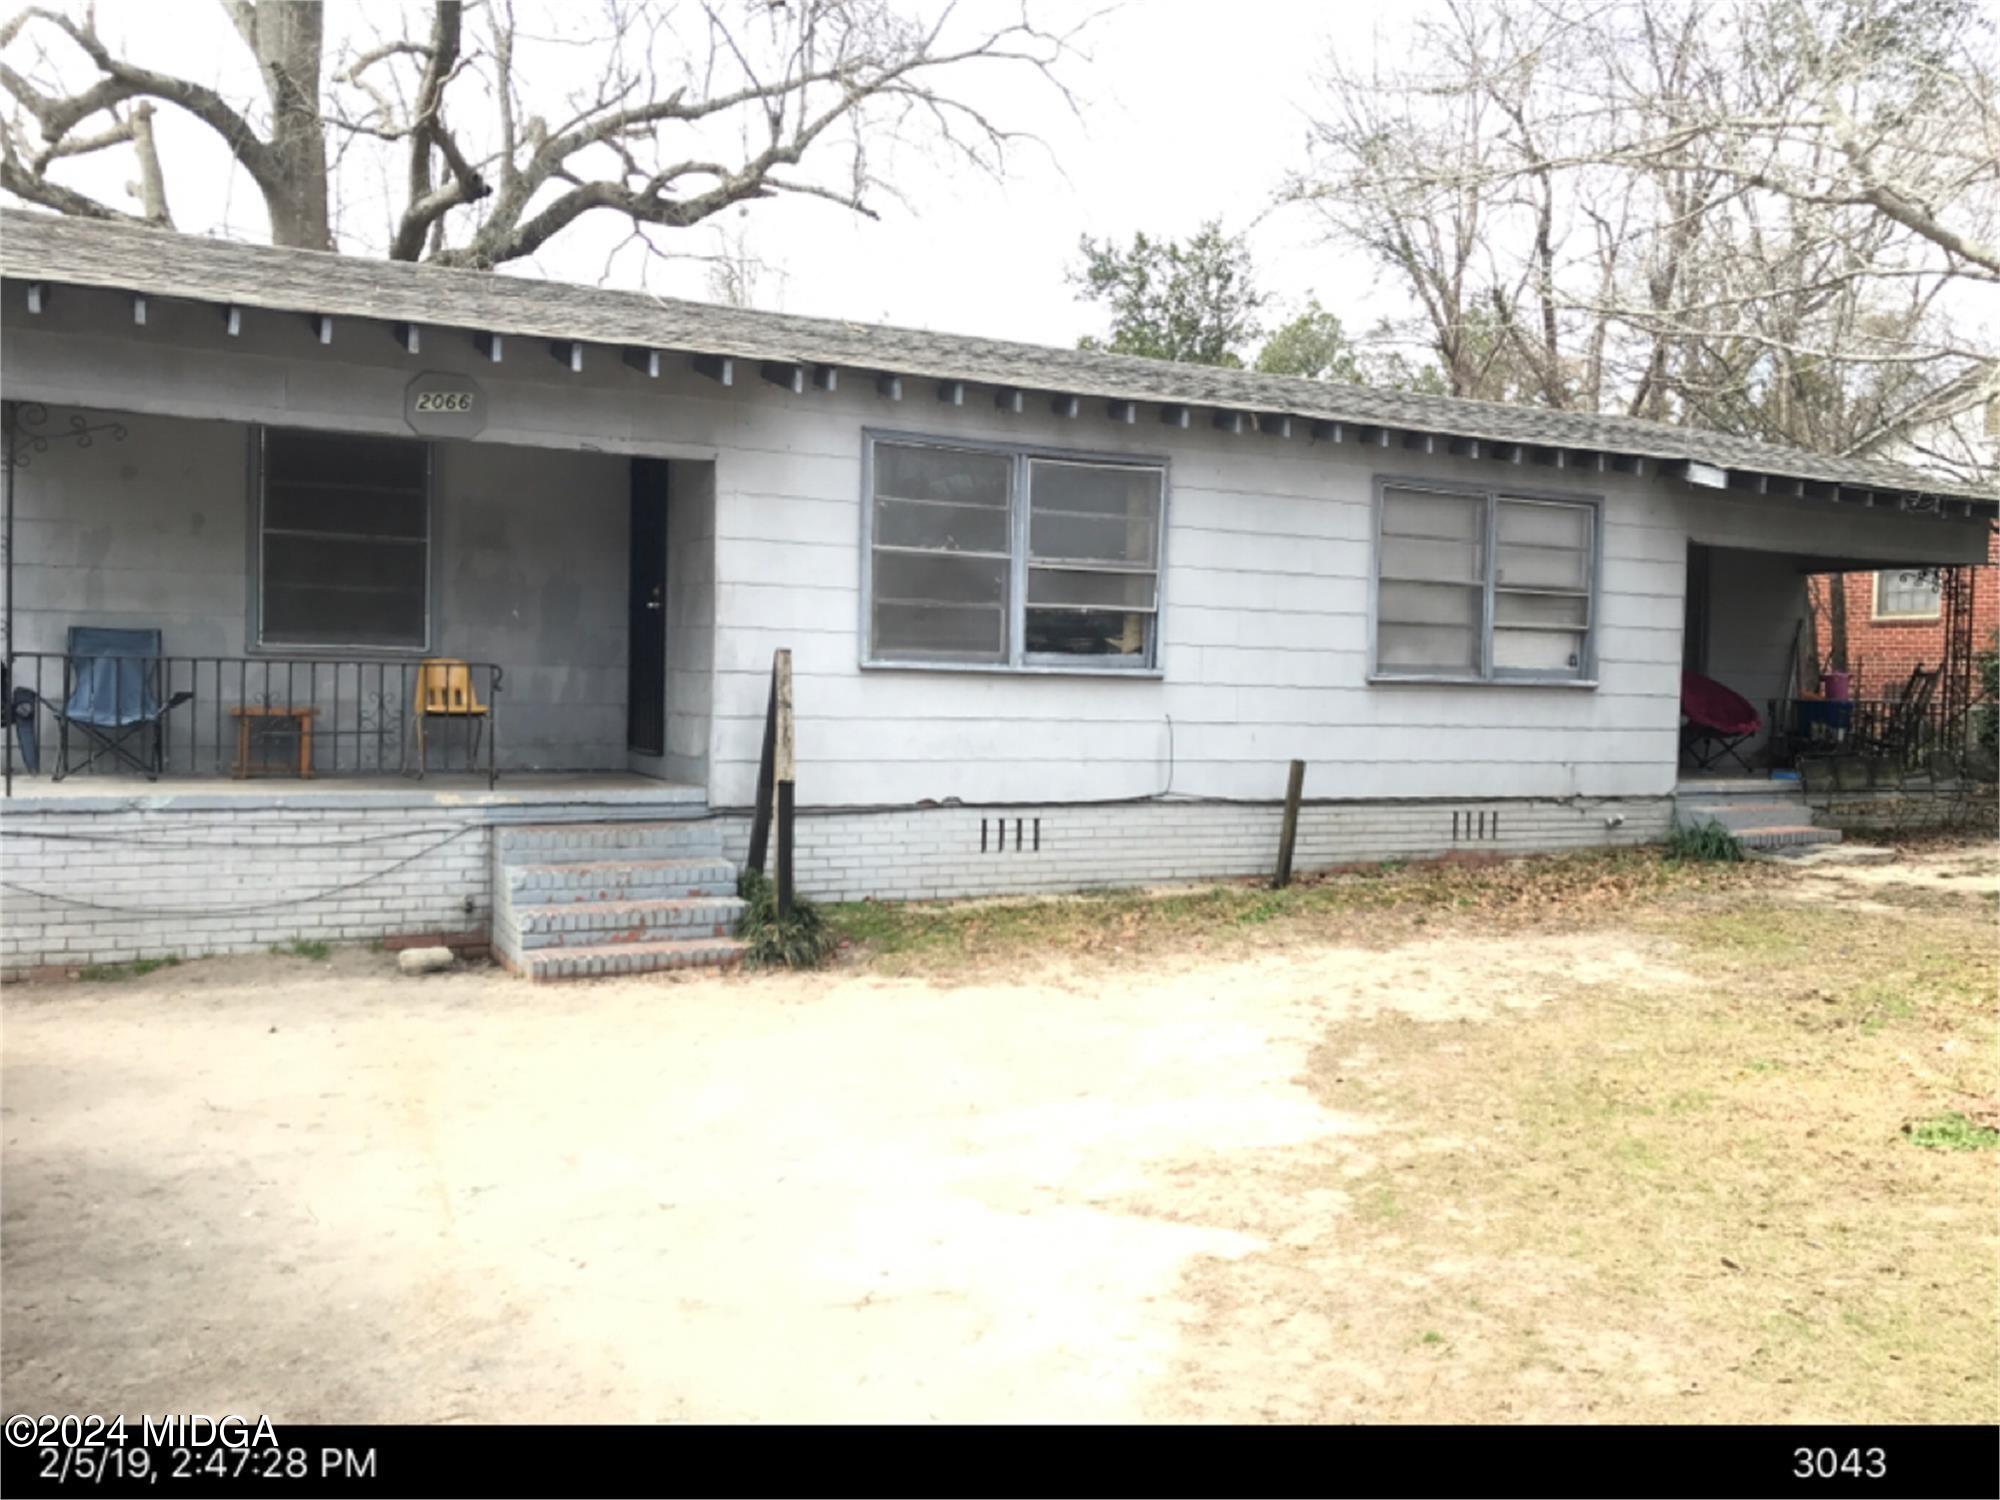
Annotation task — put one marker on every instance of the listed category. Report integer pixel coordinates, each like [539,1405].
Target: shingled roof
[93,253]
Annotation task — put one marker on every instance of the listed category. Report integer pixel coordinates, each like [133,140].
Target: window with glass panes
[1010,557]
[343,540]
[1483,585]
[1912,593]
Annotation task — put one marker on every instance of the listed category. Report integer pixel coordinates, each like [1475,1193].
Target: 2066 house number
[444,403]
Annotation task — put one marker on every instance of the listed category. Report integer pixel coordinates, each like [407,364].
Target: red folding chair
[1716,722]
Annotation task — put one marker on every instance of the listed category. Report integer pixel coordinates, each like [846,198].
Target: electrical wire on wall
[233,910]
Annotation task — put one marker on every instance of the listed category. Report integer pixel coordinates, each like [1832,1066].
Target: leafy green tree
[1315,346]
[1196,302]
[1192,301]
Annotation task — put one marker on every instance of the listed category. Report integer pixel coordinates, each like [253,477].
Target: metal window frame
[1585,676]
[1020,661]
[1893,616]
[254,626]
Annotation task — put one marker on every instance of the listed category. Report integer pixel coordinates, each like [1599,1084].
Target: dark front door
[646,655]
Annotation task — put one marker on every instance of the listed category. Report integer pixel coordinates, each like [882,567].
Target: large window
[1483,587]
[988,556]
[343,541]
[1911,594]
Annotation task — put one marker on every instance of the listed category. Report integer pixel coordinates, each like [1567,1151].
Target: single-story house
[1056,618]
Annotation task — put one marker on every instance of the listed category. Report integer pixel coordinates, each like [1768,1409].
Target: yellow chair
[444,691]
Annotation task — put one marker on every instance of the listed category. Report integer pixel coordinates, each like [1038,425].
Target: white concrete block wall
[929,853]
[110,887]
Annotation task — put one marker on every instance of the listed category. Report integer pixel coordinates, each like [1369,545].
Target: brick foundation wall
[107,887]
[1883,653]
[163,882]
[937,852]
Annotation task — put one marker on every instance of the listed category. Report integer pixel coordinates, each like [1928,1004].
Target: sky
[1187,109]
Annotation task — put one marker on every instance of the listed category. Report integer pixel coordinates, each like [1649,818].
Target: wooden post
[782,771]
[760,821]
[1288,834]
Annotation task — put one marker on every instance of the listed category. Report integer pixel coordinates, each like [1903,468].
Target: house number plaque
[439,405]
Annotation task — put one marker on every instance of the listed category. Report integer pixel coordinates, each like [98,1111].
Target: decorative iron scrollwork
[26,437]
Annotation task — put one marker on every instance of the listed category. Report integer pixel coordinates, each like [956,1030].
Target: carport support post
[782,768]
[1288,832]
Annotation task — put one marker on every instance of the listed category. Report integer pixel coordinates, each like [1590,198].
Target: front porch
[247,610]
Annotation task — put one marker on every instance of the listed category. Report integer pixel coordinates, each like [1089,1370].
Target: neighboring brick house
[1894,623]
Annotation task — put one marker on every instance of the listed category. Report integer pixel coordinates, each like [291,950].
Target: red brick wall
[1882,653]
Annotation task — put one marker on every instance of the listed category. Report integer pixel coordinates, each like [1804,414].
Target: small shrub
[1704,841]
[305,948]
[1951,1132]
[801,941]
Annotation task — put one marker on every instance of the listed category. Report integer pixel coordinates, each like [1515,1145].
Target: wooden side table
[253,722]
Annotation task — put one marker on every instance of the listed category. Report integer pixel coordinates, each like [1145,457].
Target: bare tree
[512,127]
[1770,216]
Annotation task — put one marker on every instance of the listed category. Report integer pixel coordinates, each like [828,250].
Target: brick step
[597,923]
[578,843]
[1788,836]
[1729,788]
[545,964]
[1744,816]
[620,880]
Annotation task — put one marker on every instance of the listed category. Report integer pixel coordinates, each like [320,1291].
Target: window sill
[1002,669]
[1377,679]
[1930,619]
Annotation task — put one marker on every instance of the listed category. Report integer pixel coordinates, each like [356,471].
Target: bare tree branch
[665,112]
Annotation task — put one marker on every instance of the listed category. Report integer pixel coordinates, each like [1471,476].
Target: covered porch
[224,609]
[1749,630]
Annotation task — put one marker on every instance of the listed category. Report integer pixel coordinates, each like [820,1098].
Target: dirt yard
[1617,1142]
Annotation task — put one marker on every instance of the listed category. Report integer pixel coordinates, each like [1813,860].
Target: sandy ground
[321,1191]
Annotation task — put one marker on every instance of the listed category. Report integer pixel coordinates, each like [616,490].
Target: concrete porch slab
[527,796]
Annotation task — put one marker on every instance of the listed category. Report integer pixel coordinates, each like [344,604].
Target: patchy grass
[137,968]
[1667,1201]
[1952,1132]
[304,948]
[1376,905]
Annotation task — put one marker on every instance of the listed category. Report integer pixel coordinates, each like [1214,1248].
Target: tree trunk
[288,38]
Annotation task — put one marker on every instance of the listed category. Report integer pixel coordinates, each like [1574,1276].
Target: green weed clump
[801,940]
[1709,842]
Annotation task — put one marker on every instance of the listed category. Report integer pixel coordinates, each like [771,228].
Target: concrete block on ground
[425,960]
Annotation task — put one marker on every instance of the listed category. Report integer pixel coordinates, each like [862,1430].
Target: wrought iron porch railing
[1890,729]
[245,716]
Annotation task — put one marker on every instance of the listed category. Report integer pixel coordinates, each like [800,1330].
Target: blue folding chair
[111,700]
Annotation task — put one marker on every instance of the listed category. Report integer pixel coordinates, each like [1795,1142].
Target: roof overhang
[508,318]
